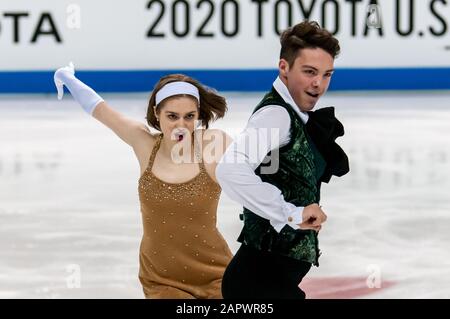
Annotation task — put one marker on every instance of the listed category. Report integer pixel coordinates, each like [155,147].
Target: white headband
[176,88]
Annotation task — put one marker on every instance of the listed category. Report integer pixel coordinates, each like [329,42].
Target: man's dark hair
[307,34]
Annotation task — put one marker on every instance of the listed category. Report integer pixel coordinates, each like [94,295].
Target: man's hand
[313,217]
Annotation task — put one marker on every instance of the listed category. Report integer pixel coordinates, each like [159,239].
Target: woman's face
[177,117]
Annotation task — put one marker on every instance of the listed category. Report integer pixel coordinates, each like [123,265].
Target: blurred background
[70,223]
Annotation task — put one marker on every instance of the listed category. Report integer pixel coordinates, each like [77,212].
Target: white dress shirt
[236,170]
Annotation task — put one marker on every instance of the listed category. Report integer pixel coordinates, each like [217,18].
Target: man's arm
[236,170]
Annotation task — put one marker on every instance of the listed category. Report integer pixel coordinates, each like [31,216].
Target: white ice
[69,203]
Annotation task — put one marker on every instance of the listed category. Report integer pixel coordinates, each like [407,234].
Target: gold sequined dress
[182,254]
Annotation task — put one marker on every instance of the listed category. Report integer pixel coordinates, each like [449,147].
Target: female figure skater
[182,254]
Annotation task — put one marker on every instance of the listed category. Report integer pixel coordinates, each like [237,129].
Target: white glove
[82,93]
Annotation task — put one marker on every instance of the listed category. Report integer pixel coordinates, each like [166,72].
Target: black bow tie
[323,128]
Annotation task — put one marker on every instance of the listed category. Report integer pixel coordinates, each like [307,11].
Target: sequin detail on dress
[182,253]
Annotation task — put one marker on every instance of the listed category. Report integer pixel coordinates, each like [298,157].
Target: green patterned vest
[298,175]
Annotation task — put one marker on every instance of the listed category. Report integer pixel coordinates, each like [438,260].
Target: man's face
[308,78]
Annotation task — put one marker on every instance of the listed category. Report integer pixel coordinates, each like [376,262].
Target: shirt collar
[281,88]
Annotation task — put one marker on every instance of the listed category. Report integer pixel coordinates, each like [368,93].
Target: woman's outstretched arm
[127,129]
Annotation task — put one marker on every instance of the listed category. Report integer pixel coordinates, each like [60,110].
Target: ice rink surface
[69,203]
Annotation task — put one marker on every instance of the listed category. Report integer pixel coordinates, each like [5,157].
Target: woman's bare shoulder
[217,139]
[213,133]
[147,138]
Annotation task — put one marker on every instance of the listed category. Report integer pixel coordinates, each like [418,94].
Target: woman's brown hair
[212,105]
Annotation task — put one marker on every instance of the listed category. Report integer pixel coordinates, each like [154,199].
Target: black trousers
[264,275]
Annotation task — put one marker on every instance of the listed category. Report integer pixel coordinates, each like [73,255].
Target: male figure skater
[282,216]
